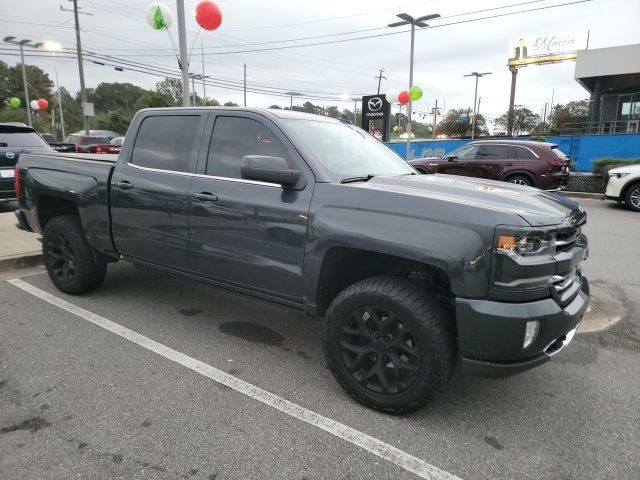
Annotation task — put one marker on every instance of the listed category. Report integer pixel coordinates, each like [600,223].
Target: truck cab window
[235,137]
[166,143]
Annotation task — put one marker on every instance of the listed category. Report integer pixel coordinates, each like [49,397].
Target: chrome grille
[566,239]
[564,288]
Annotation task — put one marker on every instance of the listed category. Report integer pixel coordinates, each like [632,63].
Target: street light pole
[21,44]
[53,47]
[409,20]
[475,100]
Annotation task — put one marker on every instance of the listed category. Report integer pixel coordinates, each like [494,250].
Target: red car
[536,164]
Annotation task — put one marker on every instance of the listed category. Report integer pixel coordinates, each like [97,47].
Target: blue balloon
[463,117]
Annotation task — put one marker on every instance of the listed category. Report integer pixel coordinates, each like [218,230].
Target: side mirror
[268,169]
[452,158]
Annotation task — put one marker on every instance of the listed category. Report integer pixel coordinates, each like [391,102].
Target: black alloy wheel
[70,261]
[389,344]
[379,350]
[59,249]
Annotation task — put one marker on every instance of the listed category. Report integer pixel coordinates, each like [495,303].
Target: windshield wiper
[357,179]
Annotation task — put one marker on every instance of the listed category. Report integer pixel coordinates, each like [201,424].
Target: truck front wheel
[68,257]
[389,344]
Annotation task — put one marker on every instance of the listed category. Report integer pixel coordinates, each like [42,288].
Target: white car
[624,185]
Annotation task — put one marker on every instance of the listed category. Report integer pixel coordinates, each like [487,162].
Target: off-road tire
[68,257]
[422,313]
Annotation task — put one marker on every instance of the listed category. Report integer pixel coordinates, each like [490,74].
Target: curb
[17,262]
[594,196]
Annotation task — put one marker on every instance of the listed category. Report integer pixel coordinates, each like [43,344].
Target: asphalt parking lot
[78,400]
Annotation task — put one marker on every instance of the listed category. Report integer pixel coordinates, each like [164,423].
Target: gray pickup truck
[413,274]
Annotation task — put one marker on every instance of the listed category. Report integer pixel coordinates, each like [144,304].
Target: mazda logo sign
[10,155]
[374,104]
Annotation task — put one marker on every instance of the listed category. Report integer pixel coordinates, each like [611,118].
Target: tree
[333,111]
[230,104]
[150,99]
[524,120]
[275,107]
[114,96]
[575,112]
[11,84]
[454,128]
[172,88]
[212,102]
[117,121]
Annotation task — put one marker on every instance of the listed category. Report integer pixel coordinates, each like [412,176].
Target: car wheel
[632,197]
[520,180]
[389,344]
[68,257]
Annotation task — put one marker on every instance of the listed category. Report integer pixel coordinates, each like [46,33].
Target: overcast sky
[442,54]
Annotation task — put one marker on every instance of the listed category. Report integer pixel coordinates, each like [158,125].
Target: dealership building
[612,78]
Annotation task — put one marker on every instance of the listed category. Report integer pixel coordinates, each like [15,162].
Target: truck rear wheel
[389,344]
[68,257]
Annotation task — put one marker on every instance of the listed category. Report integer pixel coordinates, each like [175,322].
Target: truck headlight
[526,245]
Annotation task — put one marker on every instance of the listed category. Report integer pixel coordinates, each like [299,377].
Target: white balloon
[156,20]
[34,105]
[392,96]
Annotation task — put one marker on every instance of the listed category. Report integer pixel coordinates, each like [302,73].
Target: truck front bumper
[491,334]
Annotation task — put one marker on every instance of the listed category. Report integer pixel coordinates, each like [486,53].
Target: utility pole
[293,94]
[380,78]
[182,43]
[553,91]
[83,91]
[245,84]
[193,87]
[435,119]
[512,99]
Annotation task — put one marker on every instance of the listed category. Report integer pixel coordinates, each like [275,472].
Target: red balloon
[403,97]
[208,15]
[43,104]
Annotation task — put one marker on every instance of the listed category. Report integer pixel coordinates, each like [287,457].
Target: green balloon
[14,102]
[415,93]
[395,129]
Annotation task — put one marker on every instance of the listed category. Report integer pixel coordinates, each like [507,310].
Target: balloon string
[175,50]
[194,44]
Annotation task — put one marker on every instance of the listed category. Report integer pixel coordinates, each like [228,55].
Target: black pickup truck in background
[413,274]
[16,139]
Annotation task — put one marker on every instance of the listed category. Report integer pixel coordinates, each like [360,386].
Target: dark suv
[535,164]
[15,139]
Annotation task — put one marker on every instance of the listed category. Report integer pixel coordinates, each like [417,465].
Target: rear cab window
[167,142]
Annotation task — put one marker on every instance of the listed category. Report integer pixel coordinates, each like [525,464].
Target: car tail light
[557,163]
[16,182]
[77,150]
[98,149]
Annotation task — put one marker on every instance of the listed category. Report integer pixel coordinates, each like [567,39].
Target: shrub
[537,138]
[601,166]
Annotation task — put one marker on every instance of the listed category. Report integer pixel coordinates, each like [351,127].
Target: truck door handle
[123,185]
[206,197]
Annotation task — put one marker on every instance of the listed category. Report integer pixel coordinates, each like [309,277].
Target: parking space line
[370,444]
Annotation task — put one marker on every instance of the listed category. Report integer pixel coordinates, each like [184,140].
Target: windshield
[348,151]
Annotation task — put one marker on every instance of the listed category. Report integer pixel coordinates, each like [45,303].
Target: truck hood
[535,206]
